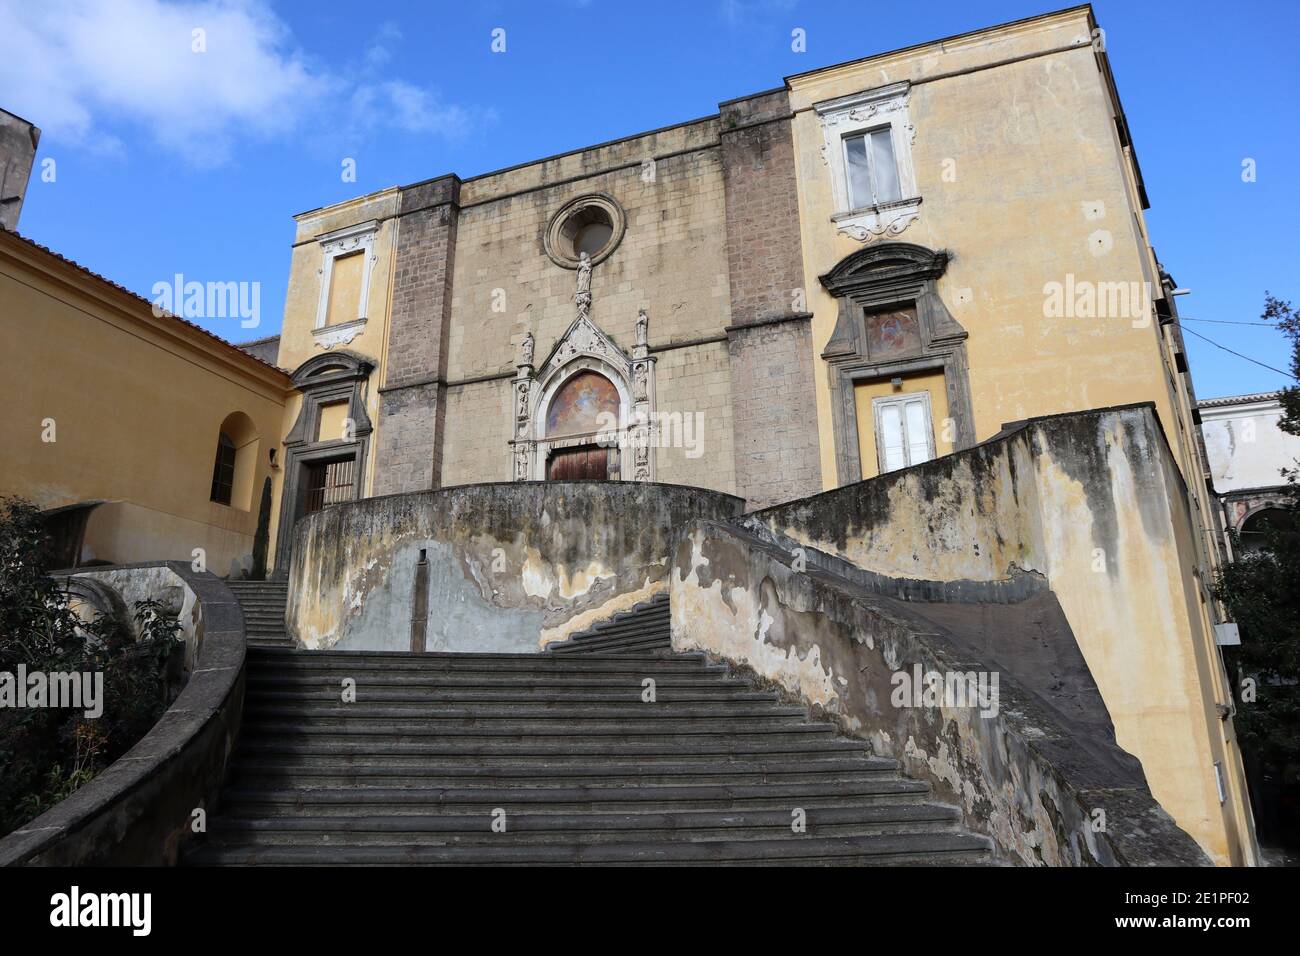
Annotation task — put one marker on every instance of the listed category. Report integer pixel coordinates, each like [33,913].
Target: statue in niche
[639,383]
[526,350]
[522,409]
[642,327]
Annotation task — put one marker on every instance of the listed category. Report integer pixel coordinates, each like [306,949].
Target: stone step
[663,632]
[586,828]
[486,680]
[617,645]
[429,773]
[259,708]
[793,735]
[653,621]
[276,692]
[530,726]
[251,800]
[875,849]
[302,662]
[649,752]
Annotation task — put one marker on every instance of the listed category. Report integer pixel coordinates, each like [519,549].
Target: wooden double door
[585,461]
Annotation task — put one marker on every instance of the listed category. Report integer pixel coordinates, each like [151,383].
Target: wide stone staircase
[263,603]
[631,755]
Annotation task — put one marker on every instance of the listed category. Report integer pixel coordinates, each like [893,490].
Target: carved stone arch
[325,380]
[875,278]
[585,347]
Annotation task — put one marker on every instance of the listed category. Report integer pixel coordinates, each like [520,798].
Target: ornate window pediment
[892,322]
[868,149]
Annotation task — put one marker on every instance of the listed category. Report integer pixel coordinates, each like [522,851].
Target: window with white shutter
[904,435]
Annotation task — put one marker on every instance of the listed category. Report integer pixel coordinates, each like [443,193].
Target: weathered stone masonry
[409,442]
[769,340]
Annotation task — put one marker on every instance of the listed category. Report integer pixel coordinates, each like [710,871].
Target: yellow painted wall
[137,404]
[1024,180]
[1033,174]
[298,342]
[865,392]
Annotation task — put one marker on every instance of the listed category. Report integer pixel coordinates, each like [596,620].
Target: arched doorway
[582,417]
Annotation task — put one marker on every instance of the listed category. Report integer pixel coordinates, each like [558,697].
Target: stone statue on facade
[582,298]
[642,327]
[526,350]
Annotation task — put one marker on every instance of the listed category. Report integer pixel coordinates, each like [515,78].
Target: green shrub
[47,753]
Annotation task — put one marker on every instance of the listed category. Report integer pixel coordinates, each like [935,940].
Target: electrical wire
[1238,354]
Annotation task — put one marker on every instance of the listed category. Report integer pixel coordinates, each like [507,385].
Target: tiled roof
[1237,400]
[123,289]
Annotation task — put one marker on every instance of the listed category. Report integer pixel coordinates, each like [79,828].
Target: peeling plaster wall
[1021,776]
[510,566]
[1092,501]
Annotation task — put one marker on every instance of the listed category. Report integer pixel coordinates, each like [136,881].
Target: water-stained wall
[1036,772]
[1093,501]
[507,567]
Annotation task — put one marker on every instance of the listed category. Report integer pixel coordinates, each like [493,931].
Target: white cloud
[77,68]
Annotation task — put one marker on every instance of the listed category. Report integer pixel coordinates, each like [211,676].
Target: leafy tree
[47,753]
[1262,592]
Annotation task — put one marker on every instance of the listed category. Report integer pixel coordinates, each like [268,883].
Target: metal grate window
[329,483]
[223,471]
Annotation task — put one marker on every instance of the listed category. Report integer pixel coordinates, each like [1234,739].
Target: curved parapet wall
[505,567]
[139,811]
[1045,781]
[1093,502]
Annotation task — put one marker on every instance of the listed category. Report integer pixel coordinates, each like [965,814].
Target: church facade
[875,264]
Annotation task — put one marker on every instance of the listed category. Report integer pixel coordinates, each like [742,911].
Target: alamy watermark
[666,430]
[209,300]
[1085,299]
[922,688]
[83,690]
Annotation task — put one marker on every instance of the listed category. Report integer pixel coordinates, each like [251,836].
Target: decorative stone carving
[523,461]
[332,336]
[880,277]
[642,327]
[582,298]
[526,350]
[861,112]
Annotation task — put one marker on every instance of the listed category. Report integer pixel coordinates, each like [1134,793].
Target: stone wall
[502,567]
[1094,503]
[1041,776]
[769,342]
[774,411]
[408,449]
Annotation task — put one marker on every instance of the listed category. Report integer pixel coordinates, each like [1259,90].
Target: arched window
[223,471]
[235,467]
[1255,529]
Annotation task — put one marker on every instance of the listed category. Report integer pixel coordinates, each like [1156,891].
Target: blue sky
[169,161]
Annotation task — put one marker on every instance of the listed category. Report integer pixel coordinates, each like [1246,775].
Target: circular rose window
[592,224]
